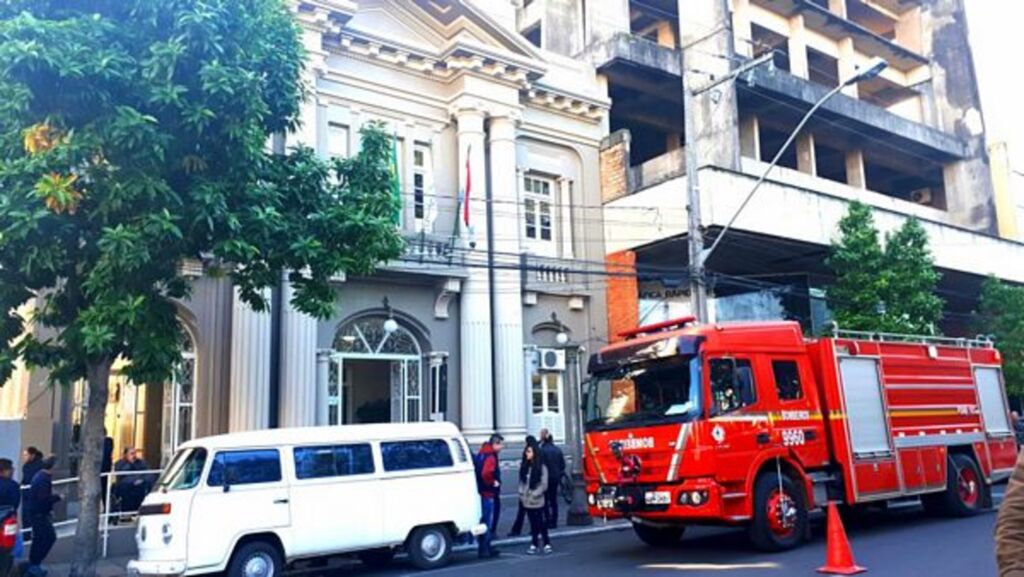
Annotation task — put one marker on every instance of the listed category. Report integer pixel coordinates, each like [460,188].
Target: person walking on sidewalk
[488,482]
[554,460]
[517,525]
[38,509]
[533,484]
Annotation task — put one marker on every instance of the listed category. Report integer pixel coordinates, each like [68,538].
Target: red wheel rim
[968,486]
[782,514]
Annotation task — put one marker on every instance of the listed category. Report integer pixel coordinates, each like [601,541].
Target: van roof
[335,434]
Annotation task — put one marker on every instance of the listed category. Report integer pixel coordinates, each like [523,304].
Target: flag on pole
[396,179]
[467,189]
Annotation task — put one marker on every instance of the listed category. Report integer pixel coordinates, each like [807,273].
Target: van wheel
[780,513]
[430,547]
[658,536]
[256,559]
[377,558]
[965,492]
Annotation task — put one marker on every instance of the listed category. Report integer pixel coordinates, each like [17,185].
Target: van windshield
[184,471]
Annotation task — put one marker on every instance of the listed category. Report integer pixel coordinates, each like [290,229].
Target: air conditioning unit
[552,360]
[921,196]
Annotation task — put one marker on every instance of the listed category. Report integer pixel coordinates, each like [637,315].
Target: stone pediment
[439,37]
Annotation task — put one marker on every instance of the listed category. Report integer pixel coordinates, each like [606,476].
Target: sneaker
[548,549]
[532,550]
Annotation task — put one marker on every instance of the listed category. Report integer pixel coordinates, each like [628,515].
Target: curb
[603,527]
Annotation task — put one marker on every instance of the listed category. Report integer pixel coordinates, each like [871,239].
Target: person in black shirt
[38,507]
[554,460]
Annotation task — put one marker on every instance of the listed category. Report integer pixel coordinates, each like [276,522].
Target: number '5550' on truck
[754,424]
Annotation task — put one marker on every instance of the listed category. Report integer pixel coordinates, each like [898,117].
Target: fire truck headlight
[696,498]
[591,499]
[684,498]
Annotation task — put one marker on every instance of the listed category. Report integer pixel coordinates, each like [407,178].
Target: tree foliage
[912,307]
[133,135]
[885,290]
[857,262]
[1001,314]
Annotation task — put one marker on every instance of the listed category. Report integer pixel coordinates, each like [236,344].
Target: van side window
[410,455]
[460,450]
[333,461]
[245,468]
[787,380]
[732,384]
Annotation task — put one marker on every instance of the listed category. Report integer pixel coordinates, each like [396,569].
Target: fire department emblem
[718,433]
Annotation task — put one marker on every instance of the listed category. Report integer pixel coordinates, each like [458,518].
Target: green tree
[132,136]
[1001,314]
[912,307]
[857,261]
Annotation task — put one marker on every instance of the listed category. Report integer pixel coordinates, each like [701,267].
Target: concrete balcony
[798,214]
[431,254]
[553,275]
[625,50]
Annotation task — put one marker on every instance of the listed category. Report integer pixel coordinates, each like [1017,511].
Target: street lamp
[390,325]
[872,70]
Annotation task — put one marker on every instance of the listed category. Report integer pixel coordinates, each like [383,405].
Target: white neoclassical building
[482,325]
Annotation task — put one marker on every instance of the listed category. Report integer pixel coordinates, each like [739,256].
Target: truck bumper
[144,568]
[697,499]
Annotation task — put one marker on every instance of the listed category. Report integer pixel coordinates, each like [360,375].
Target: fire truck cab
[753,424]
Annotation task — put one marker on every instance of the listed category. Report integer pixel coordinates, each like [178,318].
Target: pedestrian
[488,482]
[106,466]
[533,484]
[39,508]
[130,488]
[1018,427]
[10,498]
[517,525]
[554,460]
[31,463]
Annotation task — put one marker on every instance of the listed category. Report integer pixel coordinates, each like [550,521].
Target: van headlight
[167,533]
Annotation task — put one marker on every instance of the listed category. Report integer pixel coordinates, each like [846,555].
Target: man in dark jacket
[31,463]
[488,481]
[38,507]
[554,460]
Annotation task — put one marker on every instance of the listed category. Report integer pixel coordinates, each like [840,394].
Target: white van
[253,503]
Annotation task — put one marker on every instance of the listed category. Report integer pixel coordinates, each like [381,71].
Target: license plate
[606,503]
[657,497]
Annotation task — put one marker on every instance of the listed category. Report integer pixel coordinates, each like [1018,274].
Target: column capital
[468,108]
[504,126]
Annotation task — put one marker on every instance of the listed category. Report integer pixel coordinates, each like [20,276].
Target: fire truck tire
[965,493]
[780,519]
[658,536]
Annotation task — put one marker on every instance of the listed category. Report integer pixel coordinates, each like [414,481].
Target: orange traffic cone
[838,557]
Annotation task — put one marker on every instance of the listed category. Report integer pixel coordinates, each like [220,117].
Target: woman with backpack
[533,484]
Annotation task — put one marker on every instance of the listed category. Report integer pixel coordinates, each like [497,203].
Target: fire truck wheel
[780,516]
[658,536]
[965,488]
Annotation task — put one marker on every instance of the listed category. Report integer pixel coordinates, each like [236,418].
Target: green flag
[396,179]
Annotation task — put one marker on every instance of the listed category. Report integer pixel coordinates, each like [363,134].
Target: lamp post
[579,514]
[873,69]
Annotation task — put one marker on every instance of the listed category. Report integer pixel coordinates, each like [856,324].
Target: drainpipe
[491,293]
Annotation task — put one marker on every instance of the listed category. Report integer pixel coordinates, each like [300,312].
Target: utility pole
[695,238]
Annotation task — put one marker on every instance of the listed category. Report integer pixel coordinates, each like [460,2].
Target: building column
[742,29]
[249,385]
[855,175]
[323,360]
[847,66]
[837,7]
[565,228]
[508,313]
[750,138]
[298,364]
[805,157]
[798,48]
[475,378]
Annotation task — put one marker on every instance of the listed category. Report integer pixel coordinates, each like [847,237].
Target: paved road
[902,543]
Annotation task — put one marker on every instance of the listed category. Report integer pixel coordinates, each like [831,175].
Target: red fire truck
[753,424]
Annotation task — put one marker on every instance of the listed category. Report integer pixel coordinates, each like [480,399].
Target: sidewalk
[122,540]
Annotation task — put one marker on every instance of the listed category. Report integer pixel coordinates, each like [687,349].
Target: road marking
[709,566]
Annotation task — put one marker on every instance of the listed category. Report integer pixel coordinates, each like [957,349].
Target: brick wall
[615,166]
[623,294]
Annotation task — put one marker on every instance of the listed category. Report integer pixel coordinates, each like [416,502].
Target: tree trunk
[86,551]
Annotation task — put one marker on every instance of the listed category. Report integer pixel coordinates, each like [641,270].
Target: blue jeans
[487,518]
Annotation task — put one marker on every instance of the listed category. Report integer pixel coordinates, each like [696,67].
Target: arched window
[368,336]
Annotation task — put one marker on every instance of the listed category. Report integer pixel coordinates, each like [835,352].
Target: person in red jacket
[488,482]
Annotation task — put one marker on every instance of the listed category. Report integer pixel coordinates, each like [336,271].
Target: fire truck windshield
[645,393]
